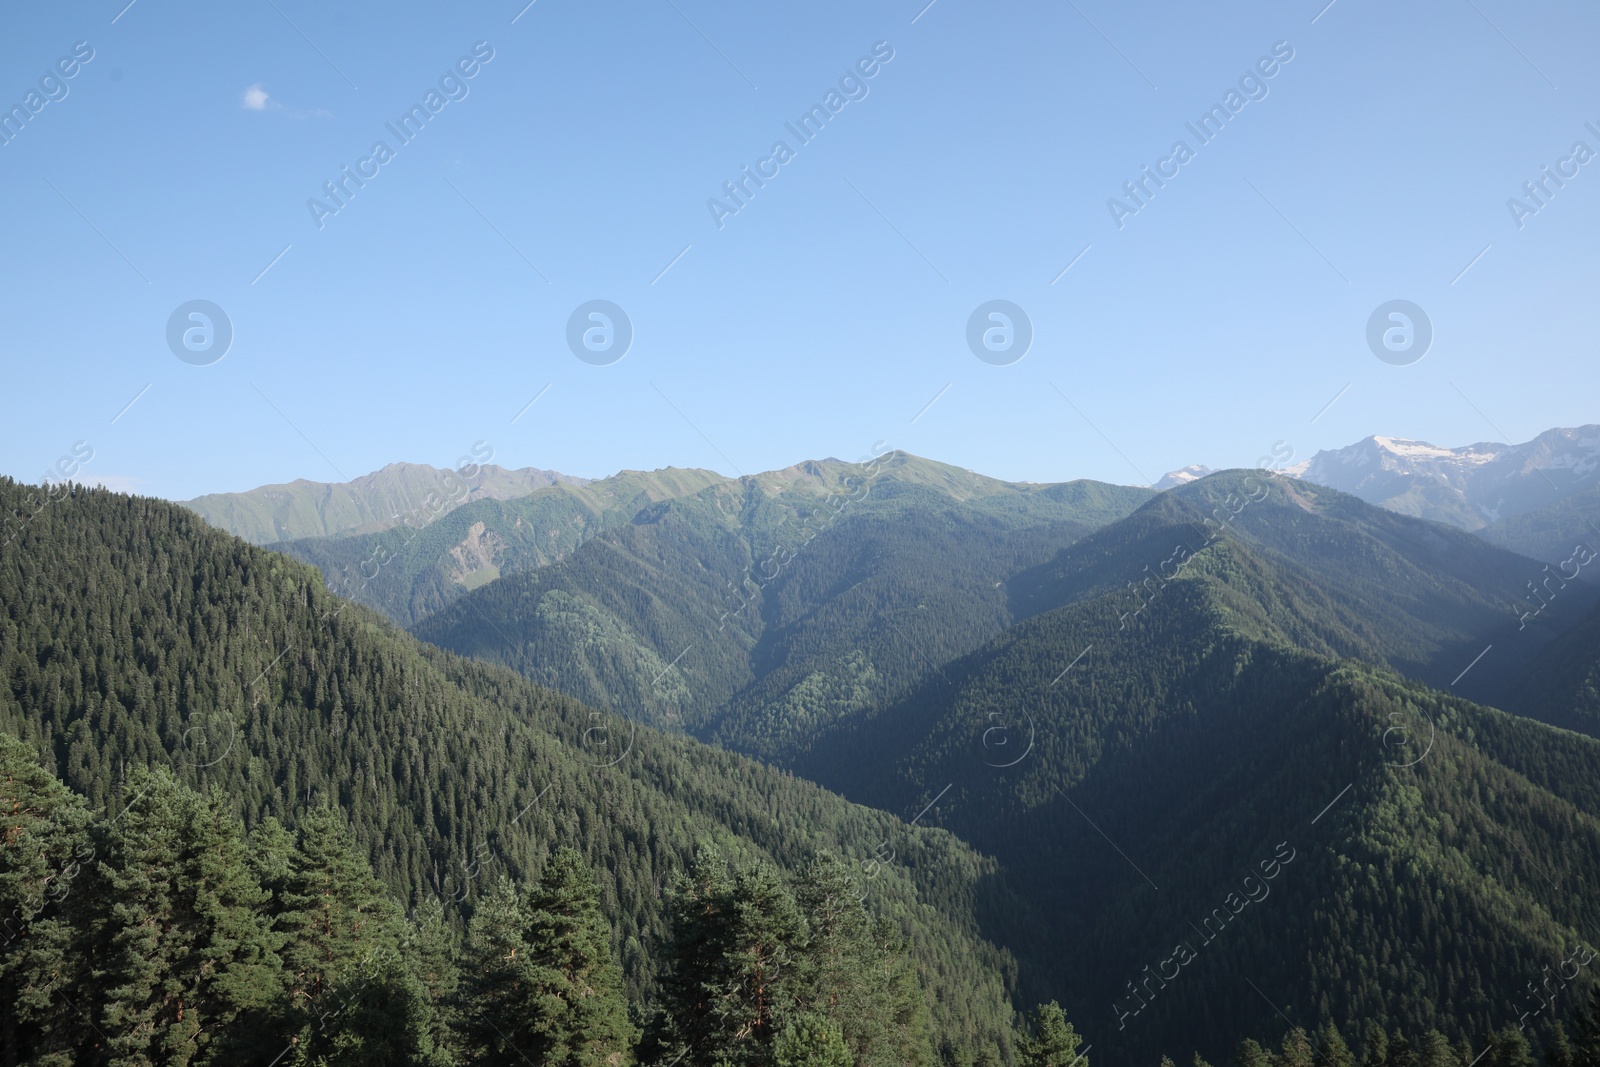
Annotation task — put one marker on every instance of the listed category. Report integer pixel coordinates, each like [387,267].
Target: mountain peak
[1181,476]
[1470,486]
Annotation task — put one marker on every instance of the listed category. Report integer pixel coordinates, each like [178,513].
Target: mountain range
[1196,762]
[401,493]
[1472,487]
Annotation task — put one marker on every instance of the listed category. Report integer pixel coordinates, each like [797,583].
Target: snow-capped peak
[1183,476]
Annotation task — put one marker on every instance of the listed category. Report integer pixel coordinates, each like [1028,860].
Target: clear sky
[976,164]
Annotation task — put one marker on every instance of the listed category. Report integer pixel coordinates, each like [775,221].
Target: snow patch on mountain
[1183,476]
[1470,486]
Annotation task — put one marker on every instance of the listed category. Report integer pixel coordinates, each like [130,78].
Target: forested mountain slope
[1562,686]
[1132,769]
[754,615]
[423,564]
[408,575]
[1346,578]
[1555,532]
[133,635]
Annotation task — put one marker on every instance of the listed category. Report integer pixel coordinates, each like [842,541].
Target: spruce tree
[1585,1035]
[581,1017]
[1435,1051]
[737,965]
[1557,1048]
[44,845]
[698,916]
[1251,1054]
[843,964]
[1401,1054]
[1509,1048]
[1296,1050]
[811,1040]
[497,986]
[1052,1041]
[183,947]
[759,972]
[351,1000]
[1332,1051]
[429,949]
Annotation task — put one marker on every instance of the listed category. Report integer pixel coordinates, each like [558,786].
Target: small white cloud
[256,98]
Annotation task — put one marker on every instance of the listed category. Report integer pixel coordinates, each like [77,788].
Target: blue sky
[829,311]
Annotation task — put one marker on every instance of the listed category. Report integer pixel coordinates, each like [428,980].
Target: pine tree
[580,1015]
[1585,1034]
[737,963]
[1509,1047]
[1332,1051]
[271,850]
[429,949]
[44,845]
[183,945]
[1401,1053]
[910,1027]
[698,911]
[857,971]
[1296,1050]
[497,987]
[1435,1051]
[1052,1042]
[1251,1054]
[811,1040]
[1557,1048]
[765,946]
[1375,1047]
[541,984]
[351,1000]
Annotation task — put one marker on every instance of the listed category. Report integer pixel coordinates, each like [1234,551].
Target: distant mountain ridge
[1182,476]
[1471,487]
[398,493]
[679,605]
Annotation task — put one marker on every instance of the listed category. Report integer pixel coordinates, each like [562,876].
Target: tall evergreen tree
[737,964]
[1585,1034]
[429,949]
[541,983]
[497,984]
[1052,1041]
[809,1039]
[1332,1051]
[698,909]
[44,844]
[1435,1051]
[580,1018]
[858,971]
[1557,1048]
[351,1000]
[183,948]
[1509,1047]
